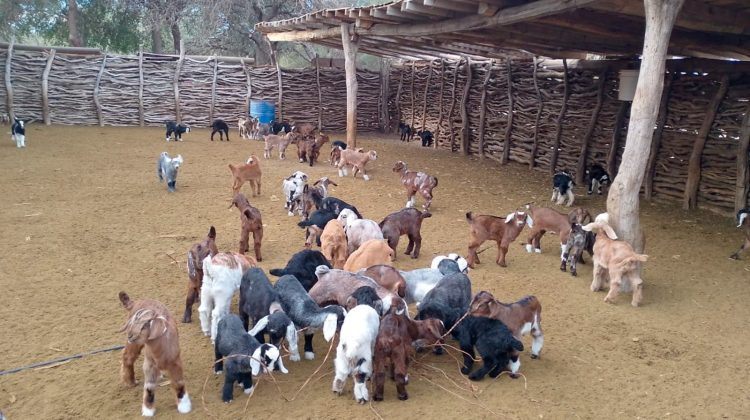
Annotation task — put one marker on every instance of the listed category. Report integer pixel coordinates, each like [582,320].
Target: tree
[74,33]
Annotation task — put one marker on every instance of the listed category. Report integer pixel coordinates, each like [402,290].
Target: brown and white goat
[335,286]
[251,222]
[150,325]
[416,182]
[333,243]
[618,261]
[248,127]
[195,257]
[246,172]
[308,150]
[393,349]
[404,222]
[386,276]
[522,317]
[313,196]
[372,252]
[545,219]
[357,159]
[279,141]
[501,230]
[741,217]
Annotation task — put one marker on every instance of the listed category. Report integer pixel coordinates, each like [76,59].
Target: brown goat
[251,222]
[333,243]
[616,259]
[404,222]
[357,159]
[393,349]
[545,219]
[150,325]
[246,172]
[416,182]
[335,286]
[308,150]
[371,252]
[521,317]
[386,276]
[306,130]
[501,230]
[195,257]
[313,196]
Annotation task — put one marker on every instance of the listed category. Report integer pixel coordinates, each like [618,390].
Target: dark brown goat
[416,182]
[313,196]
[393,348]
[251,222]
[195,257]
[404,222]
[308,150]
[501,230]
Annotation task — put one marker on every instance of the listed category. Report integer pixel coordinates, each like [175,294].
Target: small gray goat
[167,167]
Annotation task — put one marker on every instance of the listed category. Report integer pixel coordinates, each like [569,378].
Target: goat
[151,325]
[448,300]
[222,275]
[578,241]
[463,265]
[246,172]
[426,136]
[18,132]
[740,218]
[543,219]
[305,313]
[365,295]
[309,150]
[240,356]
[336,286]
[281,142]
[252,221]
[221,127]
[422,280]
[333,243]
[386,276]
[302,266]
[259,302]
[393,349]
[617,260]
[562,186]
[522,317]
[336,206]
[495,344]
[357,160]
[293,186]
[167,168]
[248,127]
[358,231]
[195,257]
[315,225]
[596,177]
[502,231]
[336,148]
[355,350]
[177,129]
[371,252]
[278,127]
[416,182]
[306,130]
[404,222]
[313,196]
[407,133]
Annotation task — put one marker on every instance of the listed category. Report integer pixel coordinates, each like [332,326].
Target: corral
[85,218]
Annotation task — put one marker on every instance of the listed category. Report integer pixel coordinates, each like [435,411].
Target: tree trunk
[648,187]
[743,176]
[74,33]
[157,46]
[350,65]
[622,201]
[176,37]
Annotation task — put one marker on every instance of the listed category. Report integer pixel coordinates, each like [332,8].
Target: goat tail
[278,272]
[516,344]
[426,214]
[212,232]
[125,300]
[469,217]
[305,223]
[622,265]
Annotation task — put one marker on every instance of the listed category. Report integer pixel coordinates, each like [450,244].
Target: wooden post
[440,112]
[615,141]
[213,92]
[539,106]
[743,176]
[281,88]
[558,123]
[509,127]
[413,76]
[97,103]
[465,133]
[483,108]
[453,101]
[320,94]
[178,111]
[398,96]
[45,87]
[694,164]
[656,141]
[8,84]
[622,200]
[424,100]
[384,116]
[350,65]
[141,117]
[248,81]
[581,168]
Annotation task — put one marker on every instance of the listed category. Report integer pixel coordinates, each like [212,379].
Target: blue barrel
[264,111]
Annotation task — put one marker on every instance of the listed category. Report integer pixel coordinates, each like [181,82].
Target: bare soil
[84,217]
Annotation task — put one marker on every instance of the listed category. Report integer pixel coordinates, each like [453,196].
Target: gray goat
[448,301]
[422,280]
[166,168]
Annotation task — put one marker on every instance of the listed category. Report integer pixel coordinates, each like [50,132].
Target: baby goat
[252,221]
[195,257]
[596,177]
[495,344]
[416,182]
[741,216]
[562,186]
[222,275]
[166,168]
[357,160]
[404,222]
[18,133]
[177,129]
[355,350]
[246,172]
[504,232]
[221,127]
[293,187]
[303,267]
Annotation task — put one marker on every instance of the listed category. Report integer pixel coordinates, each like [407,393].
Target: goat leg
[191,297]
[473,257]
[150,378]
[129,356]
[178,385]
[744,246]
[257,238]
[502,249]
[614,287]
[401,387]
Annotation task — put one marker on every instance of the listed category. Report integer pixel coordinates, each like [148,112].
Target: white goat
[358,231]
[293,187]
[355,350]
[222,275]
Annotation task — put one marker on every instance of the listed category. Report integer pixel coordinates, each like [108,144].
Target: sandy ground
[84,217]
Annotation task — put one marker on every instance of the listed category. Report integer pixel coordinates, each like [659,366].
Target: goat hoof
[515,375]
[502,264]
[377,398]
[403,397]
[534,356]
[465,370]
[415,256]
[574,274]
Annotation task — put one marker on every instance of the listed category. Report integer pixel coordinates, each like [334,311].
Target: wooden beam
[451,5]
[45,87]
[413,76]
[483,108]
[414,7]
[424,98]
[694,164]
[465,131]
[60,50]
[141,116]
[742,182]
[280,84]
[648,181]
[249,87]
[440,106]
[385,83]
[509,127]
[398,95]
[213,92]
[558,122]
[350,56]
[176,85]
[453,102]
[614,142]
[539,106]
[581,167]
[97,103]
[8,83]
[320,94]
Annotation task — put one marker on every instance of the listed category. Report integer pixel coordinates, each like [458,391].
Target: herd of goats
[349,286]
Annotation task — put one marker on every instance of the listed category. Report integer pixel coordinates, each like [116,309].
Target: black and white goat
[578,241]
[741,217]
[18,133]
[562,186]
[365,295]
[354,353]
[448,301]
[177,129]
[279,127]
[302,266]
[293,187]
[463,265]
[240,356]
[167,168]
[495,344]
[596,178]
[259,302]
[305,313]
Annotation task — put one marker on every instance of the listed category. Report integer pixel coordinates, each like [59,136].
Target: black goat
[221,127]
[336,205]
[596,178]
[407,133]
[449,300]
[278,127]
[495,344]
[177,129]
[302,266]
[426,136]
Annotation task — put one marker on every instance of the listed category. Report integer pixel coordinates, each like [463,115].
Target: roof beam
[451,5]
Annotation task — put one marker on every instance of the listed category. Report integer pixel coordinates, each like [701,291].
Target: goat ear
[305,189]
[255,362]
[315,183]
[157,328]
[329,326]
[259,326]
[529,221]
[509,218]
[291,336]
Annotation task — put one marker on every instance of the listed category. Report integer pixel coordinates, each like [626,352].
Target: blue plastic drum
[264,111]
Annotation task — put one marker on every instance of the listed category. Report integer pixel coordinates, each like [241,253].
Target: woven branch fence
[567,119]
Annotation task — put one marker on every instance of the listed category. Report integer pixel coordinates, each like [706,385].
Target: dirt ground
[84,217]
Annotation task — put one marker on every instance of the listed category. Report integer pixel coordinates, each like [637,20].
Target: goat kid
[355,350]
[502,231]
[358,231]
[177,129]
[302,266]
[597,177]
[221,127]
[336,148]
[404,222]
[741,217]
[279,141]
[167,168]
[407,133]
[246,172]
[463,265]
[416,182]
[578,241]
[252,221]
[18,133]
[222,275]
[195,257]
[495,344]
[426,136]
[293,187]
[357,159]
[562,187]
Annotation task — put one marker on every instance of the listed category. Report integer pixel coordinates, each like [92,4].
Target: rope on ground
[60,360]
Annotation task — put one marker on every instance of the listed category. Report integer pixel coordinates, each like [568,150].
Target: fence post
[45,87]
